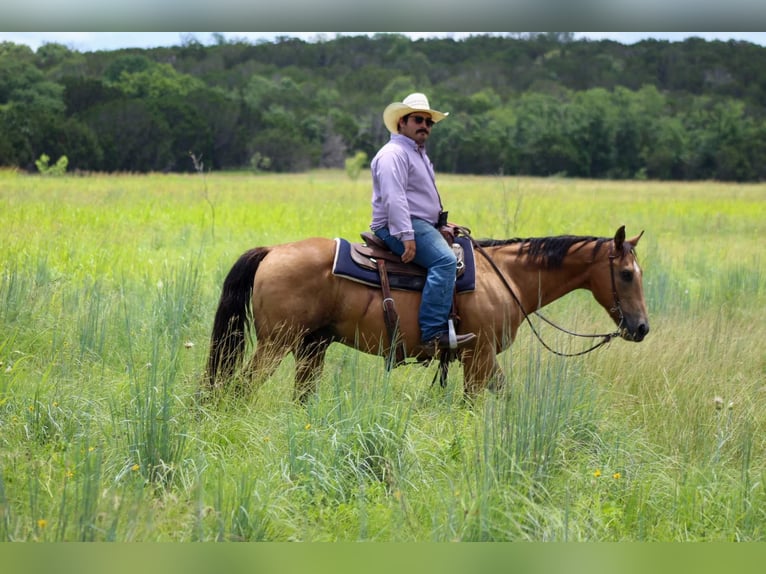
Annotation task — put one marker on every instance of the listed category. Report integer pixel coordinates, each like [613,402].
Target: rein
[606,337]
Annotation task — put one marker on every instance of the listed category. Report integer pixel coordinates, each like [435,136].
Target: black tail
[232,319]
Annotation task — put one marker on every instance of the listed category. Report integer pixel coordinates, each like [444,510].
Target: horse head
[618,286]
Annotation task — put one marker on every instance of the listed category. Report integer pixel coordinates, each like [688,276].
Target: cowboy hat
[413,103]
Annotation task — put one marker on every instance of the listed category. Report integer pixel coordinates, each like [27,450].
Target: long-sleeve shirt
[403,187]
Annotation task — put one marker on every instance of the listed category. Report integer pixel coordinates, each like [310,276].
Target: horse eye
[626,276]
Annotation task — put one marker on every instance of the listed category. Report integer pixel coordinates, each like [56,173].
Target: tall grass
[108,286]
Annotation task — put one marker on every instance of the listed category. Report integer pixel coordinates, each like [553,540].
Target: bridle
[605,337]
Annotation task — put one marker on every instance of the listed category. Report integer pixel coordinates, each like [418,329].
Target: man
[406,208]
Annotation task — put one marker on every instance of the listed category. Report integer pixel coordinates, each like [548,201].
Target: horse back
[294,285]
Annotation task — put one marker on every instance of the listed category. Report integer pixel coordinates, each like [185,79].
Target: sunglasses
[420,119]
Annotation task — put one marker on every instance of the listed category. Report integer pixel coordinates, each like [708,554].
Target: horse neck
[539,284]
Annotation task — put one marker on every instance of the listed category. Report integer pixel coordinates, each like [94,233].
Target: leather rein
[606,337]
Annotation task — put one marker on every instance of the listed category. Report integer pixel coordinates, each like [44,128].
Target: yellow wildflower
[135,467]
[308,426]
[69,473]
[42,523]
[616,476]
[597,473]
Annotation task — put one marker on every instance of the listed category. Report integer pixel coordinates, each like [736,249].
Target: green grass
[108,286]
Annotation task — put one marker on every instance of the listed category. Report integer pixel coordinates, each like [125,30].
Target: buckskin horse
[290,297]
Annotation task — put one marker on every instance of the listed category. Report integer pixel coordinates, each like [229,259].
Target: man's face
[417,126]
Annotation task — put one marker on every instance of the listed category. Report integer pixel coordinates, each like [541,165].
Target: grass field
[108,286]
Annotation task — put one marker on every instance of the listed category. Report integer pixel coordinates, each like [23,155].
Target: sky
[92,41]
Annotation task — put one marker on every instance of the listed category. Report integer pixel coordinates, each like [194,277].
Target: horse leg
[309,362]
[266,358]
[481,370]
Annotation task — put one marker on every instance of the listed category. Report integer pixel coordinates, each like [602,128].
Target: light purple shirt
[403,187]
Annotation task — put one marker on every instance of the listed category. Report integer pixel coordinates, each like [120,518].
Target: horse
[288,295]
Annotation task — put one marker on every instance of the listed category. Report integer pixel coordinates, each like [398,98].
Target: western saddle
[374,254]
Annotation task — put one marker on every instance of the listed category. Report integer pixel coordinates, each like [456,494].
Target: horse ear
[619,238]
[633,241]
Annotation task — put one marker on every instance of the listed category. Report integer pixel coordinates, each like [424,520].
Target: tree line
[529,104]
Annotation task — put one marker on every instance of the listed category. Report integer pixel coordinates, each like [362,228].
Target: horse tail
[233,318]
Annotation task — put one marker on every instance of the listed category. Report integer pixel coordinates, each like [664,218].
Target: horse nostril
[643,329]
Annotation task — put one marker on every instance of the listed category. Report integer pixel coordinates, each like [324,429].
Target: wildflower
[597,473]
[42,523]
[308,426]
[69,473]
[31,408]
[188,344]
[55,404]
[91,448]
[135,467]
[718,402]
[616,476]
[266,439]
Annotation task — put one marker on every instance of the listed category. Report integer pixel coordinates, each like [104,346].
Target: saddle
[374,254]
[373,250]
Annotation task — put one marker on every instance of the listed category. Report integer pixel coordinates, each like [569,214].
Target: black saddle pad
[344,266]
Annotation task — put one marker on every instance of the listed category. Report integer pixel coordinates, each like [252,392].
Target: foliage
[59,168]
[354,165]
[531,104]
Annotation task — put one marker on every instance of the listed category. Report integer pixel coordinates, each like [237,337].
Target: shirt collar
[404,140]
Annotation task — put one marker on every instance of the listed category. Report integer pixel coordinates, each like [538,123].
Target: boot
[442,342]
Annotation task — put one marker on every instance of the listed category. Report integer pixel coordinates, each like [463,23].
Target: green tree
[592,128]
[732,135]
[126,64]
[133,135]
[188,132]
[158,81]
[83,93]
[225,124]
[541,137]
[664,153]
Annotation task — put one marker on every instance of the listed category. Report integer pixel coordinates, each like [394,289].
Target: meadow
[108,287]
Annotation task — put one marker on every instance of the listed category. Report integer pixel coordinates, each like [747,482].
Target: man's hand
[409,250]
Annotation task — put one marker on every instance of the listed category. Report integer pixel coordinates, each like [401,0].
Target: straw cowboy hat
[413,103]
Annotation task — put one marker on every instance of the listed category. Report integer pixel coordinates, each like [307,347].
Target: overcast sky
[91,41]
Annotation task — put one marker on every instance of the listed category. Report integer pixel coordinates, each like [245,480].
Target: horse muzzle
[635,331]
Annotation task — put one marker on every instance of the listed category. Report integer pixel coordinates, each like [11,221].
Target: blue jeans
[433,253]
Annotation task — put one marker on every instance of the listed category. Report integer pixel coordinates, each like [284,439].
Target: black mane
[547,251]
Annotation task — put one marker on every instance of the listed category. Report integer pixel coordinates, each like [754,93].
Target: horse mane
[548,251]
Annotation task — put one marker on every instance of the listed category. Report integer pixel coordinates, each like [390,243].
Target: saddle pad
[344,266]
